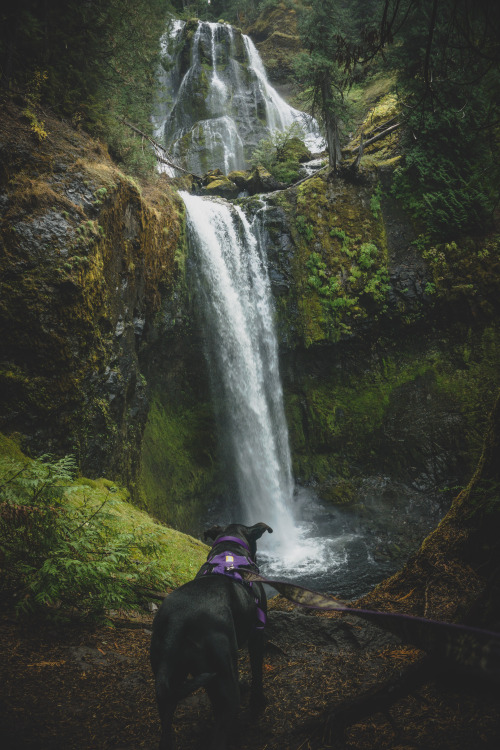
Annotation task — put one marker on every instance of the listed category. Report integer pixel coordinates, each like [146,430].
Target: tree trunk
[456,573]
[333,141]
[331,125]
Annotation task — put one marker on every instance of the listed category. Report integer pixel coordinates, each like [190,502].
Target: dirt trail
[69,686]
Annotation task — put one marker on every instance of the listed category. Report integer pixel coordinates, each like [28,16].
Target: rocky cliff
[87,259]
[389,346]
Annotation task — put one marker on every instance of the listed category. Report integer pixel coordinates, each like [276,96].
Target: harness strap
[231,539]
[229,564]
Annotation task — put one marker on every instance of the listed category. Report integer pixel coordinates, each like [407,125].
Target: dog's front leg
[256,651]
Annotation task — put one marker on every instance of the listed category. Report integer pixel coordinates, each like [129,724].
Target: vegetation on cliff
[87,257]
[92,230]
[74,545]
[90,63]
[390,342]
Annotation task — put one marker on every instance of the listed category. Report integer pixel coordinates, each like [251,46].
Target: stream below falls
[347,551]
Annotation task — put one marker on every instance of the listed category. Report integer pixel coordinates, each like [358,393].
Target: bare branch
[158,147]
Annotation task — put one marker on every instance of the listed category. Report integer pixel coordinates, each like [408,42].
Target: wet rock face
[373,381]
[219,112]
[221,102]
[85,265]
[276,36]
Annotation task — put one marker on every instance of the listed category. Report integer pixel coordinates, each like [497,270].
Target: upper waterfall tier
[220,103]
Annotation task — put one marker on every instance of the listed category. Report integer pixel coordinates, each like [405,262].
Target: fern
[65,556]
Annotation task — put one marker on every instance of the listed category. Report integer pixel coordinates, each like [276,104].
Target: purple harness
[228,564]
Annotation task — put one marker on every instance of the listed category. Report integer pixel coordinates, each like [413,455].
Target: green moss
[178,464]
[10,447]
[340,264]
[466,271]
[295,150]
[59,314]
[341,492]
[375,105]
[222,186]
[179,556]
[275,31]
[337,421]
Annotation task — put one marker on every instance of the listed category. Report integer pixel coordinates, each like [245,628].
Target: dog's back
[194,622]
[196,636]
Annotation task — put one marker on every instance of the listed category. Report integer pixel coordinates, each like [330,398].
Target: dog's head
[249,534]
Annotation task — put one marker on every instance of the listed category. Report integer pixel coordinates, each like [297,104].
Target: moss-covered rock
[260,180]
[100,503]
[341,492]
[413,410]
[222,186]
[179,466]
[87,257]
[276,36]
[373,381]
[339,264]
[376,113]
[295,150]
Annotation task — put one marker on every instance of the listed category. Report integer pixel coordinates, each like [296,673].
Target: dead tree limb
[158,147]
[379,136]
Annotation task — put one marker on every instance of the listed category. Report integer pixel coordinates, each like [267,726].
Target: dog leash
[472,649]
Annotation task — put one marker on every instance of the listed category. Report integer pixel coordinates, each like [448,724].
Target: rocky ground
[330,683]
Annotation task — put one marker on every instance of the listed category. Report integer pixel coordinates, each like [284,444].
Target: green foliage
[68,554]
[341,294]
[367,254]
[448,81]
[99,64]
[277,155]
[466,269]
[323,71]
[440,182]
[305,228]
[238,12]
[336,421]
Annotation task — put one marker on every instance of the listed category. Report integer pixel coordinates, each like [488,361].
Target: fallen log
[377,137]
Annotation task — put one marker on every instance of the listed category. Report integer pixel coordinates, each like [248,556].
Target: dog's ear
[255,532]
[213,533]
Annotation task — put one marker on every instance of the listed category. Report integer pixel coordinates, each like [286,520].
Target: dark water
[347,551]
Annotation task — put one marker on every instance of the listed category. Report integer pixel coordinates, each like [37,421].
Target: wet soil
[331,682]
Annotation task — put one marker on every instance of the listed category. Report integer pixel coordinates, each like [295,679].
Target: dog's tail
[189,686]
[168,684]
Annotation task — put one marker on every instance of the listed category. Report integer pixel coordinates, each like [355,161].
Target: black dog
[199,628]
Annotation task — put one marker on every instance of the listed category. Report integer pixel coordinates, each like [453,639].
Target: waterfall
[280,115]
[222,103]
[234,289]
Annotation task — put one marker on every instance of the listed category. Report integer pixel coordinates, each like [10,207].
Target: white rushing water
[237,317]
[280,115]
[223,104]
[313,543]
[230,265]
